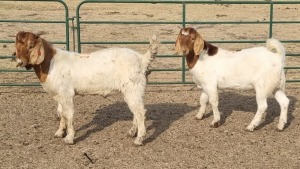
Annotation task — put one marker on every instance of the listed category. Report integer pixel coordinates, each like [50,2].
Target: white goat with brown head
[64,74]
[257,68]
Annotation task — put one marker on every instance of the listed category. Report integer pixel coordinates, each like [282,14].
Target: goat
[213,68]
[64,74]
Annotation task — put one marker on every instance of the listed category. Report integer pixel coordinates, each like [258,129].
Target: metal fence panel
[184,21]
[268,23]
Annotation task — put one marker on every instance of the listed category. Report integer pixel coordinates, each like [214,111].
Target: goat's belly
[235,85]
[103,92]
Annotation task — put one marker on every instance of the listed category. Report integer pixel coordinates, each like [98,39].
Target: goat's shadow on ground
[230,101]
[162,115]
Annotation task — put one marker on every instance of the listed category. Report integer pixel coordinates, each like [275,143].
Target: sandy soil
[174,138]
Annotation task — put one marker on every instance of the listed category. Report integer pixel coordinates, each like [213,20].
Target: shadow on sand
[230,102]
[164,114]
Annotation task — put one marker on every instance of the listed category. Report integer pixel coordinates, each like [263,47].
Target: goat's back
[239,69]
[104,70]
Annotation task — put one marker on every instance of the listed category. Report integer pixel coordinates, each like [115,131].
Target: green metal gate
[64,21]
[270,21]
[184,20]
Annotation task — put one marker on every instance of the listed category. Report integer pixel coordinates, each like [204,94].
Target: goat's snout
[14,56]
[20,63]
[185,52]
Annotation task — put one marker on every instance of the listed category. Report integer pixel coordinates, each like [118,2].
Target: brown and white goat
[64,74]
[255,68]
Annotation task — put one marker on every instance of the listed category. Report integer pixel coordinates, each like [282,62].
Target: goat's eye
[31,46]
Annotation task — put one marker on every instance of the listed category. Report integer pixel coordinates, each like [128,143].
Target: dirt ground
[175,139]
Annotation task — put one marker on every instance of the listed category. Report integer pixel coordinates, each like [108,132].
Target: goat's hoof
[199,117]
[138,141]
[68,141]
[132,132]
[57,117]
[59,134]
[250,128]
[132,135]
[280,126]
[215,124]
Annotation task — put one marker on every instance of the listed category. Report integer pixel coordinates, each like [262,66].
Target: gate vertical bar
[271,19]
[67,25]
[78,27]
[183,58]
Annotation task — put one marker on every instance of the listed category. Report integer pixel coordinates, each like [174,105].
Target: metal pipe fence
[183,21]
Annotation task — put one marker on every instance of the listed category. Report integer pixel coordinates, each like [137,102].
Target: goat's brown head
[189,40]
[29,49]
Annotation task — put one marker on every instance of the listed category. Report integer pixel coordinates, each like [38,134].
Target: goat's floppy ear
[38,54]
[21,36]
[177,44]
[38,34]
[198,44]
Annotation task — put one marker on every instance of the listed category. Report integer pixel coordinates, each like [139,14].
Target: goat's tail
[150,55]
[274,44]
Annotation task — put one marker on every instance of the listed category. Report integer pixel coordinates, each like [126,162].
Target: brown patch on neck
[211,49]
[42,69]
[191,59]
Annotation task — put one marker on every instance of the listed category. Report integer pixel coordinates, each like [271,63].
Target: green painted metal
[183,59]
[20,84]
[31,21]
[65,21]
[271,19]
[184,22]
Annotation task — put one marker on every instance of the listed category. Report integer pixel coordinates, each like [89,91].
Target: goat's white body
[64,74]
[238,70]
[99,73]
[255,68]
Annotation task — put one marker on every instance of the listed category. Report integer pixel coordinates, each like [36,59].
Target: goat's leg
[67,114]
[59,111]
[136,106]
[140,119]
[203,103]
[262,106]
[62,123]
[134,129]
[214,101]
[284,103]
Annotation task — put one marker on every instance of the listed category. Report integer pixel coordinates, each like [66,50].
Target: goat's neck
[42,69]
[191,59]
